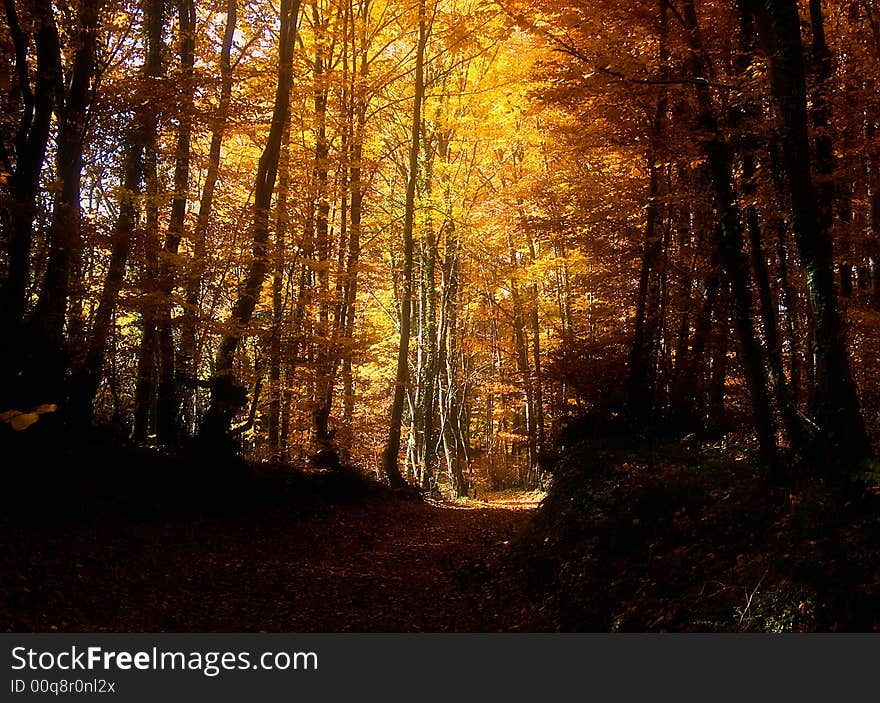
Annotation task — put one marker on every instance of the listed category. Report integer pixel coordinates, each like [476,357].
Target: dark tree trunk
[145,388]
[29,144]
[87,378]
[642,364]
[684,395]
[167,426]
[64,231]
[728,241]
[323,350]
[275,343]
[834,402]
[767,303]
[226,398]
[188,361]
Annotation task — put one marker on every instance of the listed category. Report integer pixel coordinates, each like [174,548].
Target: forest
[440,315]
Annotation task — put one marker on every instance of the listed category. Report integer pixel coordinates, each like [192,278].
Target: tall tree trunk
[642,365]
[29,144]
[145,388]
[834,399]
[275,343]
[360,100]
[167,426]
[87,378]
[392,445]
[65,237]
[450,400]
[767,304]
[64,231]
[535,324]
[324,343]
[426,399]
[188,362]
[226,397]
[728,242]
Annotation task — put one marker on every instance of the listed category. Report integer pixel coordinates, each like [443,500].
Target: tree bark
[29,143]
[188,357]
[64,231]
[642,364]
[275,343]
[392,445]
[834,402]
[87,378]
[167,417]
[728,242]
[226,398]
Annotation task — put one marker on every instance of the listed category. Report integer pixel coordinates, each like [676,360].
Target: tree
[226,398]
[392,446]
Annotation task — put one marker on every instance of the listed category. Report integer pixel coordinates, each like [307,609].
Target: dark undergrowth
[676,535]
[687,536]
[50,478]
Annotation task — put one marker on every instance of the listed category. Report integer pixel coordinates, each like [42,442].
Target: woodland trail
[375,564]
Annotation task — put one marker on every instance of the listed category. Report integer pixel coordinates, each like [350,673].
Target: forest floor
[666,536]
[363,562]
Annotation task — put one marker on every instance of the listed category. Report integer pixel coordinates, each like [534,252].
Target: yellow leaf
[23,420]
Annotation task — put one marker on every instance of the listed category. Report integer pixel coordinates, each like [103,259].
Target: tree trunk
[226,398]
[87,378]
[324,339]
[834,399]
[29,144]
[64,230]
[767,304]
[392,445]
[188,361]
[145,389]
[167,425]
[728,242]
[275,344]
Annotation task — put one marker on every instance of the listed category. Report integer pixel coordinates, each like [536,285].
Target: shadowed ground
[376,564]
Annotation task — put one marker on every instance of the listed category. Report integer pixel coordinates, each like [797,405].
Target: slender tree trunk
[524,368]
[834,400]
[429,367]
[167,416]
[188,362]
[684,394]
[642,365]
[535,324]
[86,379]
[392,445]
[275,344]
[728,242]
[324,339]
[451,402]
[145,388]
[226,397]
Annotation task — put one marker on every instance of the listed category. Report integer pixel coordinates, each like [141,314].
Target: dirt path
[382,564]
